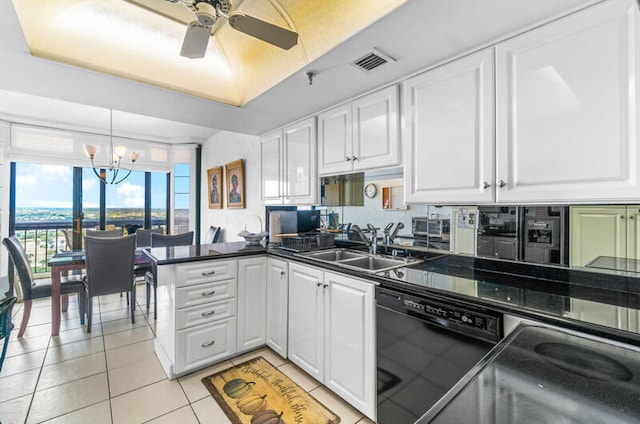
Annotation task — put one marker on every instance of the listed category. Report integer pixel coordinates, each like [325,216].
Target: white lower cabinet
[205,344]
[277,305]
[196,323]
[306,319]
[332,334]
[252,302]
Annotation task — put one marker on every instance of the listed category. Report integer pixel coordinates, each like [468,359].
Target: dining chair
[109,262]
[163,240]
[6,306]
[212,235]
[143,236]
[118,232]
[40,288]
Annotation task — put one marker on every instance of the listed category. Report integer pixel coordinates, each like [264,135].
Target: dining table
[64,262]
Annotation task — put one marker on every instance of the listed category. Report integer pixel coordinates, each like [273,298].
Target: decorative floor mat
[256,392]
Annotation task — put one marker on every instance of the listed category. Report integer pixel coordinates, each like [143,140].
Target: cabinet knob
[621,216]
[282,273]
[630,216]
[325,286]
[208,344]
[501,183]
[486,185]
[354,158]
[348,159]
[318,283]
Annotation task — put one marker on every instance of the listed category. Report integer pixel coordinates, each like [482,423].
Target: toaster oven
[429,227]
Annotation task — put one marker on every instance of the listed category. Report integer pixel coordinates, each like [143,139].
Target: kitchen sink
[357,260]
[334,255]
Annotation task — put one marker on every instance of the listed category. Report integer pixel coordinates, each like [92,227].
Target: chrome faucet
[394,234]
[373,246]
[385,233]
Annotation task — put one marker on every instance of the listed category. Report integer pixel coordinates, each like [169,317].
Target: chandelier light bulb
[120,151]
[134,156]
[90,150]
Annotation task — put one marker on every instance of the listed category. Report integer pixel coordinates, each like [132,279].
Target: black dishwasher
[425,344]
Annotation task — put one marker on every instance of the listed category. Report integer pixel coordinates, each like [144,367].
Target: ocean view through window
[44,207]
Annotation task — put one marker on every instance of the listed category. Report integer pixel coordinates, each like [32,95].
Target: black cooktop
[547,375]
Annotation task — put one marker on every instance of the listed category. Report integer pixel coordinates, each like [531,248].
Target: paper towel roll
[274,228]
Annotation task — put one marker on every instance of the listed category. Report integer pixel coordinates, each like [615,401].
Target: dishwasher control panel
[482,324]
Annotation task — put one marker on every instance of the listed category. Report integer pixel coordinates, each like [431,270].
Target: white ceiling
[418,35]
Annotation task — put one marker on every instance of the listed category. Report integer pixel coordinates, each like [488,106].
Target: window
[181,193]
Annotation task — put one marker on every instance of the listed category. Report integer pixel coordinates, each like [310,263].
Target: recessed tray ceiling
[141,40]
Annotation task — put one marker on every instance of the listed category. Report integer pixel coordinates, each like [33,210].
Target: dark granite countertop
[543,293]
[201,252]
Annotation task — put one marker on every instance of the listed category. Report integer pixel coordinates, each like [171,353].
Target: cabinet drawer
[204,272]
[201,314]
[205,293]
[205,344]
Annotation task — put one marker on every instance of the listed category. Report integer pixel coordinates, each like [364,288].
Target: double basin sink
[356,260]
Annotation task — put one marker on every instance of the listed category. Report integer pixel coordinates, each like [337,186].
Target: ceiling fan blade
[272,34]
[195,41]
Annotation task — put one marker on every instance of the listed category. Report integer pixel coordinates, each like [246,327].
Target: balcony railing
[43,239]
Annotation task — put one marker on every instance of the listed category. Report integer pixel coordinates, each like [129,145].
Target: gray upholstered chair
[212,235]
[36,289]
[118,232]
[143,236]
[110,262]
[163,240]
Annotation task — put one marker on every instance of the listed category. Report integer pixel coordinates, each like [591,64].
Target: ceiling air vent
[371,60]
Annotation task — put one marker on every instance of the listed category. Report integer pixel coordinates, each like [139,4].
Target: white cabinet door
[334,140]
[271,167]
[350,341]
[204,344]
[375,130]
[306,319]
[449,153]
[300,175]
[567,118]
[277,305]
[252,302]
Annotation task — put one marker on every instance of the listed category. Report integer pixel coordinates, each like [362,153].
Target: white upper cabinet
[375,130]
[300,176]
[271,170]
[288,164]
[449,121]
[567,119]
[360,135]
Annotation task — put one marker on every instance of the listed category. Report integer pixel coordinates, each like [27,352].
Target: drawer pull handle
[208,344]
[204,274]
[283,273]
[208,314]
[207,294]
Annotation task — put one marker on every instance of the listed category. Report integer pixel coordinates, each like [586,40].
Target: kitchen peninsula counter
[601,303]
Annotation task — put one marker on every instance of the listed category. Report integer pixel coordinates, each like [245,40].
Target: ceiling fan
[209,11]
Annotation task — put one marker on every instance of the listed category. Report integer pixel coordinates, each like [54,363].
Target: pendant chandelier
[111,173]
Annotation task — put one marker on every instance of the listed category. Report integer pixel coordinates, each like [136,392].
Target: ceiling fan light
[206,13]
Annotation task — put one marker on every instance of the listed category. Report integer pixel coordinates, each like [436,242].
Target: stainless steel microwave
[423,227]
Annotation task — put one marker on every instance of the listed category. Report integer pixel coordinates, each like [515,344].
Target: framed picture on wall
[214,176]
[235,184]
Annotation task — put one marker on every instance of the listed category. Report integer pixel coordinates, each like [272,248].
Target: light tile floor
[112,375]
